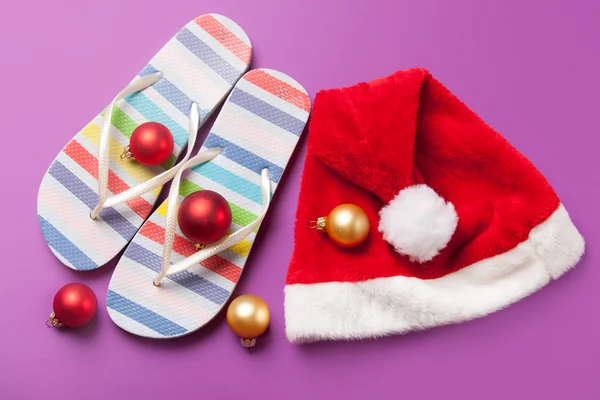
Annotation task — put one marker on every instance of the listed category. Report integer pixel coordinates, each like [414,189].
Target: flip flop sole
[258,127]
[200,64]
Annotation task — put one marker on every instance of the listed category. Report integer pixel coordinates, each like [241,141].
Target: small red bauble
[74,305]
[151,143]
[204,216]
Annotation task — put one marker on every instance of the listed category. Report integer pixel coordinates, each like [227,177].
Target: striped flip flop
[188,78]
[255,134]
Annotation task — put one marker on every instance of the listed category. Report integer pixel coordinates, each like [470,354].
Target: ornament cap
[320,224]
[127,153]
[53,322]
[248,343]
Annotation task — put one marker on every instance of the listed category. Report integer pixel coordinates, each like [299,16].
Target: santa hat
[462,224]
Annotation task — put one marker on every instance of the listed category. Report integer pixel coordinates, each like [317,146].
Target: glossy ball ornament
[248,316]
[74,305]
[204,217]
[347,225]
[151,143]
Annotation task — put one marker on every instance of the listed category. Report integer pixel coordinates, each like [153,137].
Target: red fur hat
[462,224]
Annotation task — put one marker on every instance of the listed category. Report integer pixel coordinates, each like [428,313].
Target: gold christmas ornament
[248,316]
[347,225]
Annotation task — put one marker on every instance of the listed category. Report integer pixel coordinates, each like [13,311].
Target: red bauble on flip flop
[151,143]
[204,217]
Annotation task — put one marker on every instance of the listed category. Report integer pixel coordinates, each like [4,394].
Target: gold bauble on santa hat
[347,225]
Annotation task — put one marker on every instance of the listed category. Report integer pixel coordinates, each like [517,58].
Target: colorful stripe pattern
[200,64]
[258,127]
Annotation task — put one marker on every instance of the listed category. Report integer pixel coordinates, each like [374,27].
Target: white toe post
[418,223]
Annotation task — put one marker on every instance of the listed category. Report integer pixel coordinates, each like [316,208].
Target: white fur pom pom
[418,222]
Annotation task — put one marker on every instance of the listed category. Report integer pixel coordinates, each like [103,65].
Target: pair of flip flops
[92,203]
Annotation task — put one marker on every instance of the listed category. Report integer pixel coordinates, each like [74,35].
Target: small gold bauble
[248,316]
[347,225]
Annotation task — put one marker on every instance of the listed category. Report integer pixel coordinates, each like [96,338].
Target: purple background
[529,68]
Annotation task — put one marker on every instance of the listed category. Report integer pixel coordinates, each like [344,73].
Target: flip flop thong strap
[215,248]
[103,151]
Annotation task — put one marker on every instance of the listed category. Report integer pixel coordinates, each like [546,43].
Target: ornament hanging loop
[53,322]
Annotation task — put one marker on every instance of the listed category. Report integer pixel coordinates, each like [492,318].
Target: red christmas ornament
[151,143]
[74,305]
[204,216]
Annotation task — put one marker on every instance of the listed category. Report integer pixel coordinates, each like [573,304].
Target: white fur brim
[383,306]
